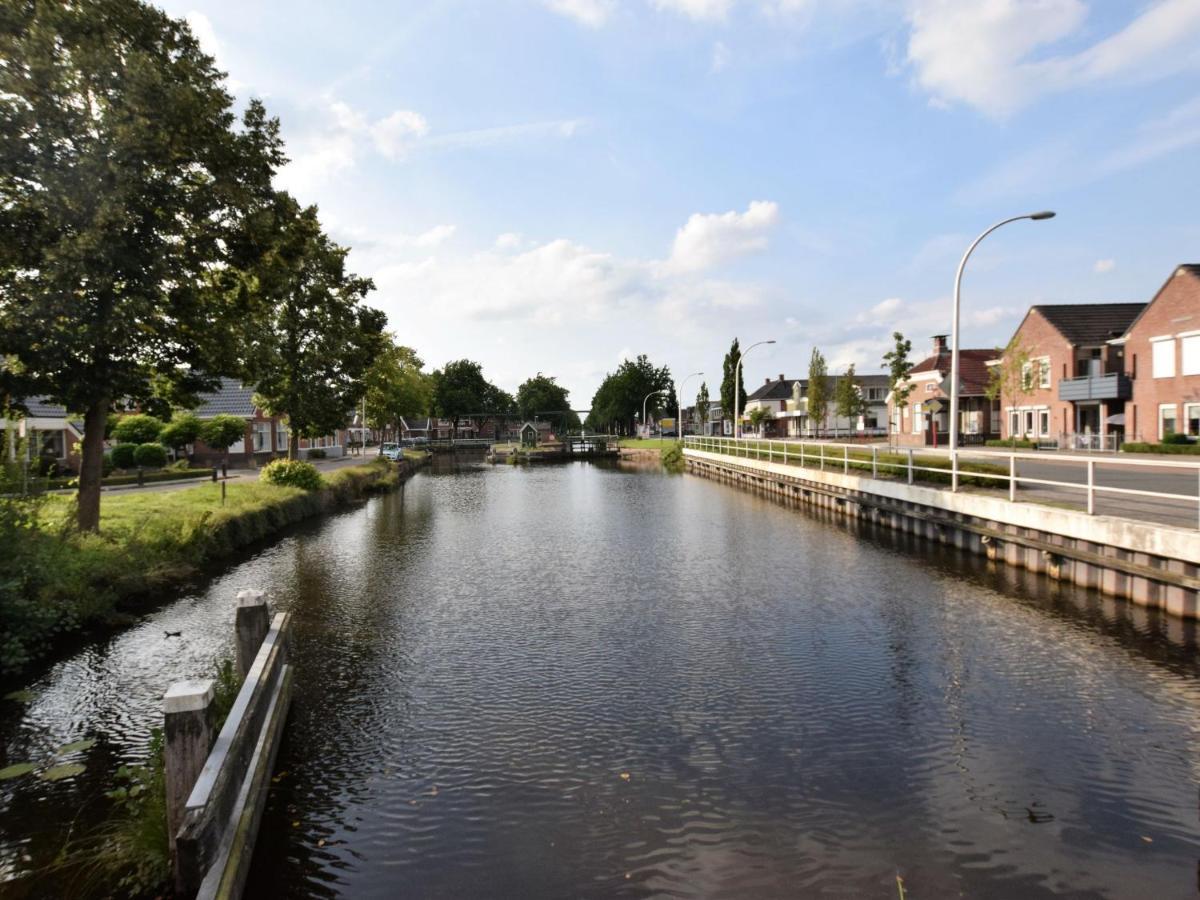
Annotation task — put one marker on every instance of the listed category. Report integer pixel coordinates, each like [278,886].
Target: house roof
[232,398]
[1192,269]
[1090,323]
[783,389]
[41,408]
[972,365]
[780,389]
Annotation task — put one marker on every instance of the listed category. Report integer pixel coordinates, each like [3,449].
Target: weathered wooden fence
[216,789]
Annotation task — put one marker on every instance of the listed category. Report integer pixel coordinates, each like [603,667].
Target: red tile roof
[972,364]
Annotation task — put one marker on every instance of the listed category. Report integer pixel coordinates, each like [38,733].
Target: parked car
[390,451]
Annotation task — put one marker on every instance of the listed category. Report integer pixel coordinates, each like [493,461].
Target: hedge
[1139,447]
[1019,444]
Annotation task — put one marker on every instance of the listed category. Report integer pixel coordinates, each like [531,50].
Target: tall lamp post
[1036,217]
[737,388]
[647,397]
[679,403]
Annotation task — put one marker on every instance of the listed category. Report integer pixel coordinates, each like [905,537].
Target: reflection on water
[581,681]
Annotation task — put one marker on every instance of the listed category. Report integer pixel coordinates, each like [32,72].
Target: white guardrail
[914,463]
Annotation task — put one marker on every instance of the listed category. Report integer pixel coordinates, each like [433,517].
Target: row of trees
[146,251]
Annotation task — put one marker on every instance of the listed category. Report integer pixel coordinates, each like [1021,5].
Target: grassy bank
[55,581]
[648,443]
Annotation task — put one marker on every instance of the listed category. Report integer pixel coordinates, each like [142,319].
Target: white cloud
[699,10]
[991,54]
[509,240]
[203,29]
[708,239]
[394,134]
[592,13]
[1104,265]
[720,57]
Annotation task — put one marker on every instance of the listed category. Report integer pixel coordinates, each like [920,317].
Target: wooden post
[188,719]
[253,623]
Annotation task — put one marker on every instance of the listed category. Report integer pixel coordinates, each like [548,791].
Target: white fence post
[1012,478]
[1091,487]
[910,471]
[874,461]
[845,459]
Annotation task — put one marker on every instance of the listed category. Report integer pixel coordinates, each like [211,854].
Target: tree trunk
[91,465]
[293,445]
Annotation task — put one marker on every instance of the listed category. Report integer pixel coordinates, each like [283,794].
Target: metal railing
[991,468]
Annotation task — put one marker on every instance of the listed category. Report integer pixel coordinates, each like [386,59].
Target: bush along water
[672,458]
[292,473]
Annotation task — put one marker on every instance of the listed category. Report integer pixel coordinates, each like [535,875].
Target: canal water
[583,681]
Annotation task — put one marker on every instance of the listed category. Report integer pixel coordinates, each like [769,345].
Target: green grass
[648,443]
[54,581]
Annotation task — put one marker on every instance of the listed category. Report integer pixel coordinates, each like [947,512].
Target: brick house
[1162,360]
[1073,387]
[925,421]
[265,438]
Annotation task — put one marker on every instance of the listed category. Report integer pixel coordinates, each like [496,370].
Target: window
[1163,351]
[918,420]
[930,387]
[1190,344]
[262,437]
[1014,423]
[1168,423]
[1026,376]
[1191,419]
[1044,422]
[1028,417]
[281,436]
[1044,375]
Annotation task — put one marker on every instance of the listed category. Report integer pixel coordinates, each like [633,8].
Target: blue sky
[553,185]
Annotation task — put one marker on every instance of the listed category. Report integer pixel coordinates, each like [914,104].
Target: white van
[391,451]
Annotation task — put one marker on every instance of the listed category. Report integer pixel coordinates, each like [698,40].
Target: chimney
[766,381]
[781,376]
[939,344]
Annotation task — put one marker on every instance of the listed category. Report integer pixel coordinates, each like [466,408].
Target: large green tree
[460,391]
[619,400]
[396,386]
[315,339]
[728,370]
[123,185]
[818,391]
[541,395]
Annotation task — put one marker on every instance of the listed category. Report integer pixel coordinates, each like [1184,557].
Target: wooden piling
[188,720]
[253,622]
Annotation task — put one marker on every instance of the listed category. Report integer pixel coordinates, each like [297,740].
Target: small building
[45,431]
[925,420]
[787,398]
[530,435]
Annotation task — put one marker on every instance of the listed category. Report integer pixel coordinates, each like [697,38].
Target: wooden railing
[216,789]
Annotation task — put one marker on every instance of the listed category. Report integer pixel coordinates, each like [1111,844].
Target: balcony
[1113,386]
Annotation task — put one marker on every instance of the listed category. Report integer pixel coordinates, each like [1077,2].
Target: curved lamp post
[1037,216]
[647,397]
[737,385]
[679,403]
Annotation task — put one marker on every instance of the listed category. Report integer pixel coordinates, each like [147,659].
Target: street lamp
[737,388]
[679,404]
[1036,217]
[647,397]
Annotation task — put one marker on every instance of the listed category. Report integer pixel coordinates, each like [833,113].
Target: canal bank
[1152,565]
[68,584]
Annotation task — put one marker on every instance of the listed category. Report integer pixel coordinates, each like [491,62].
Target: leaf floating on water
[20,696]
[75,747]
[16,771]
[58,773]
[1148,840]
[433,791]
[295,824]
[625,776]
[321,842]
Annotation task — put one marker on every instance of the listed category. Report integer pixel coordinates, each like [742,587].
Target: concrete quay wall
[1156,566]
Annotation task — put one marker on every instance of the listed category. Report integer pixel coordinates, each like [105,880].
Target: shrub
[1137,447]
[221,432]
[1019,444]
[151,456]
[318,453]
[672,458]
[1177,438]
[292,473]
[182,430]
[137,429]
[122,456]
